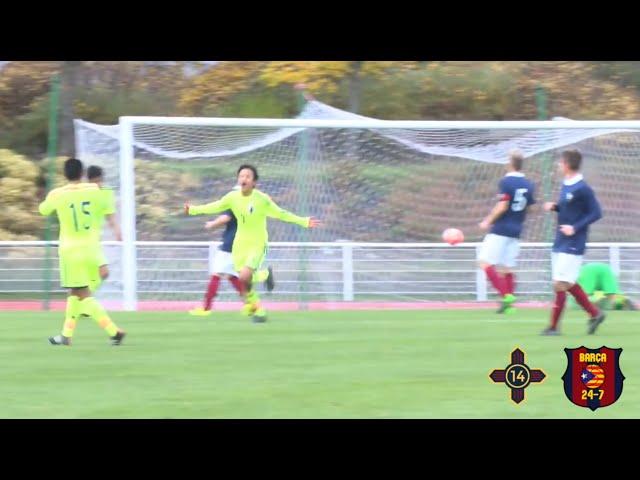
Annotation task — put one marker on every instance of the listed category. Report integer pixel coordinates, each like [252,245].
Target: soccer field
[378,364]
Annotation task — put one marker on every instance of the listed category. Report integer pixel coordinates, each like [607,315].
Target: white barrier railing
[334,270]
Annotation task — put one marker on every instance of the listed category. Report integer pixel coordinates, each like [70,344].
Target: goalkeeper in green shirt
[251,208]
[599,281]
[77,205]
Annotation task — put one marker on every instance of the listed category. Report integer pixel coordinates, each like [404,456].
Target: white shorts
[499,250]
[223,263]
[565,267]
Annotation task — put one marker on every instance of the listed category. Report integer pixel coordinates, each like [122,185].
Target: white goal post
[473,146]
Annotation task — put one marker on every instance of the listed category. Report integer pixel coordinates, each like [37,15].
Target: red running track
[177,306]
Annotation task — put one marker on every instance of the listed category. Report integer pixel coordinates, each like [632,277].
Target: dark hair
[73,169]
[516,159]
[250,167]
[94,172]
[573,159]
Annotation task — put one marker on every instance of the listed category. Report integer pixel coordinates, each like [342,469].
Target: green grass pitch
[382,364]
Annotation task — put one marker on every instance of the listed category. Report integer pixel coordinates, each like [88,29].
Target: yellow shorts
[77,266]
[249,256]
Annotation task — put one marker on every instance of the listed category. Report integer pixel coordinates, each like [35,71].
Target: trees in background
[101,92]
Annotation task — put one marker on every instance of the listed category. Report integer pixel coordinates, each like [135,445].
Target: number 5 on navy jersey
[519,200]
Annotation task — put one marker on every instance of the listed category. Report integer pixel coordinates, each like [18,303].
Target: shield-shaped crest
[593,378]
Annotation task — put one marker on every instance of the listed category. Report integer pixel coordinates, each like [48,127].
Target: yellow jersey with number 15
[78,207]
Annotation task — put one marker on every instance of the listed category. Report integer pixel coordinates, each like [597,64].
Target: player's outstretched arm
[213,207]
[314,222]
[218,222]
[550,207]
[274,211]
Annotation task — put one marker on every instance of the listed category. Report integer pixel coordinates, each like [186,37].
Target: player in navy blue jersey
[500,247]
[577,208]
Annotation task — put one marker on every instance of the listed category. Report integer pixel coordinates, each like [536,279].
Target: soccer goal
[385,191]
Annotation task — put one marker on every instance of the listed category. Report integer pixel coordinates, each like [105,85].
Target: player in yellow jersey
[76,206]
[95,175]
[251,208]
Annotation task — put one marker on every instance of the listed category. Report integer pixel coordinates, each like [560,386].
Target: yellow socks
[92,308]
[71,316]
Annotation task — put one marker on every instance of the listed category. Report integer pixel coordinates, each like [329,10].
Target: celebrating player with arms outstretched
[223,264]
[251,208]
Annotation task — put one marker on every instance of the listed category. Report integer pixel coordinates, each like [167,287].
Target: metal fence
[332,271]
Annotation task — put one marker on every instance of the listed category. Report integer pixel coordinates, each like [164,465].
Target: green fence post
[547,164]
[52,150]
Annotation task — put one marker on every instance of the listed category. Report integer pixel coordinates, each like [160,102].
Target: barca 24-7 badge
[517,376]
[593,378]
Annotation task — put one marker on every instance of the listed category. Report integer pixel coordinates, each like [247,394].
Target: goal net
[369,181]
